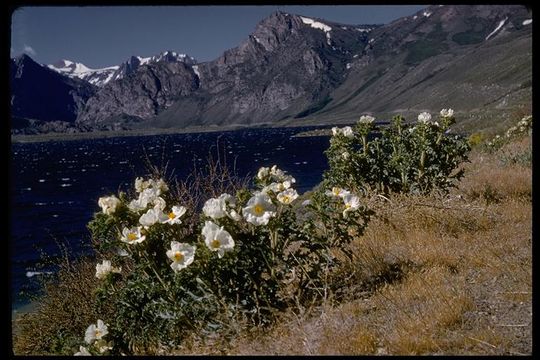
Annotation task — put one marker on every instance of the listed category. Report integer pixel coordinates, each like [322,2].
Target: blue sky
[105,36]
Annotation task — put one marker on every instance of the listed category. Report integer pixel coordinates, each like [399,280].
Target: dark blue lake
[55,185]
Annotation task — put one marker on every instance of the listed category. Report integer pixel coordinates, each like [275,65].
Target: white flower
[214,208]
[337,192]
[94,332]
[108,204]
[147,196]
[277,186]
[159,203]
[105,268]
[140,184]
[152,216]
[447,112]
[277,173]
[345,155]
[347,132]
[263,173]
[352,202]
[424,117]
[159,186]
[137,205]
[174,216]
[162,185]
[287,196]
[366,119]
[132,236]
[259,209]
[102,345]
[82,352]
[181,254]
[217,238]
[436,123]
[306,202]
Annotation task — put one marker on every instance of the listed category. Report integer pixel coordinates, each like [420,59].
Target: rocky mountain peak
[23,58]
[274,29]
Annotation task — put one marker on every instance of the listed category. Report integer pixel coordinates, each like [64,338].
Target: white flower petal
[108,204]
[82,352]
[90,334]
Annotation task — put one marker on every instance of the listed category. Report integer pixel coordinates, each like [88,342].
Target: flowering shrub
[522,128]
[402,157]
[250,255]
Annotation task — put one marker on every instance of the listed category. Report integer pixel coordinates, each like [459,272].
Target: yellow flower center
[171,215]
[286,199]
[132,236]
[178,256]
[336,191]
[259,210]
[98,333]
[215,244]
[347,206]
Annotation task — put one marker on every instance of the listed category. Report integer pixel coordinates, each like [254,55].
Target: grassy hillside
[488,83]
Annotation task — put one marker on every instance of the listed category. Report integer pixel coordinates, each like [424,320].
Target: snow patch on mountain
[196,71]
[497,28]
[74,68]
[527,22]
[315,24]
[98,77]
[144,61]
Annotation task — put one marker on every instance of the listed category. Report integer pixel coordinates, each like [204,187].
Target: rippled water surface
[55,185]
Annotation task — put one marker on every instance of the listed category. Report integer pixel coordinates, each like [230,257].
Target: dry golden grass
[432,275]
[68,308]
[489,178]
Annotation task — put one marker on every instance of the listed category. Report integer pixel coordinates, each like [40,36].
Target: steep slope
[139,95]
[477,59]
[40,93]
[471,58]
[285,68]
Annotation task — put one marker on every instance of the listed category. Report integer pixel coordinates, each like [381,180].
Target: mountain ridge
[294,69]
[100,77]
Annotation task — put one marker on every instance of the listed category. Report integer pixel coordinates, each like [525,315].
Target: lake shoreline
[152,132]
[18,312]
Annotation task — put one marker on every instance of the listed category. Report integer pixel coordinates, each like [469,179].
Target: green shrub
[522,128]
[476,139]
[403,158]
[169,271]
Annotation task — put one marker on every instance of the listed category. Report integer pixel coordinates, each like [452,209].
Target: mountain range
[297,70]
